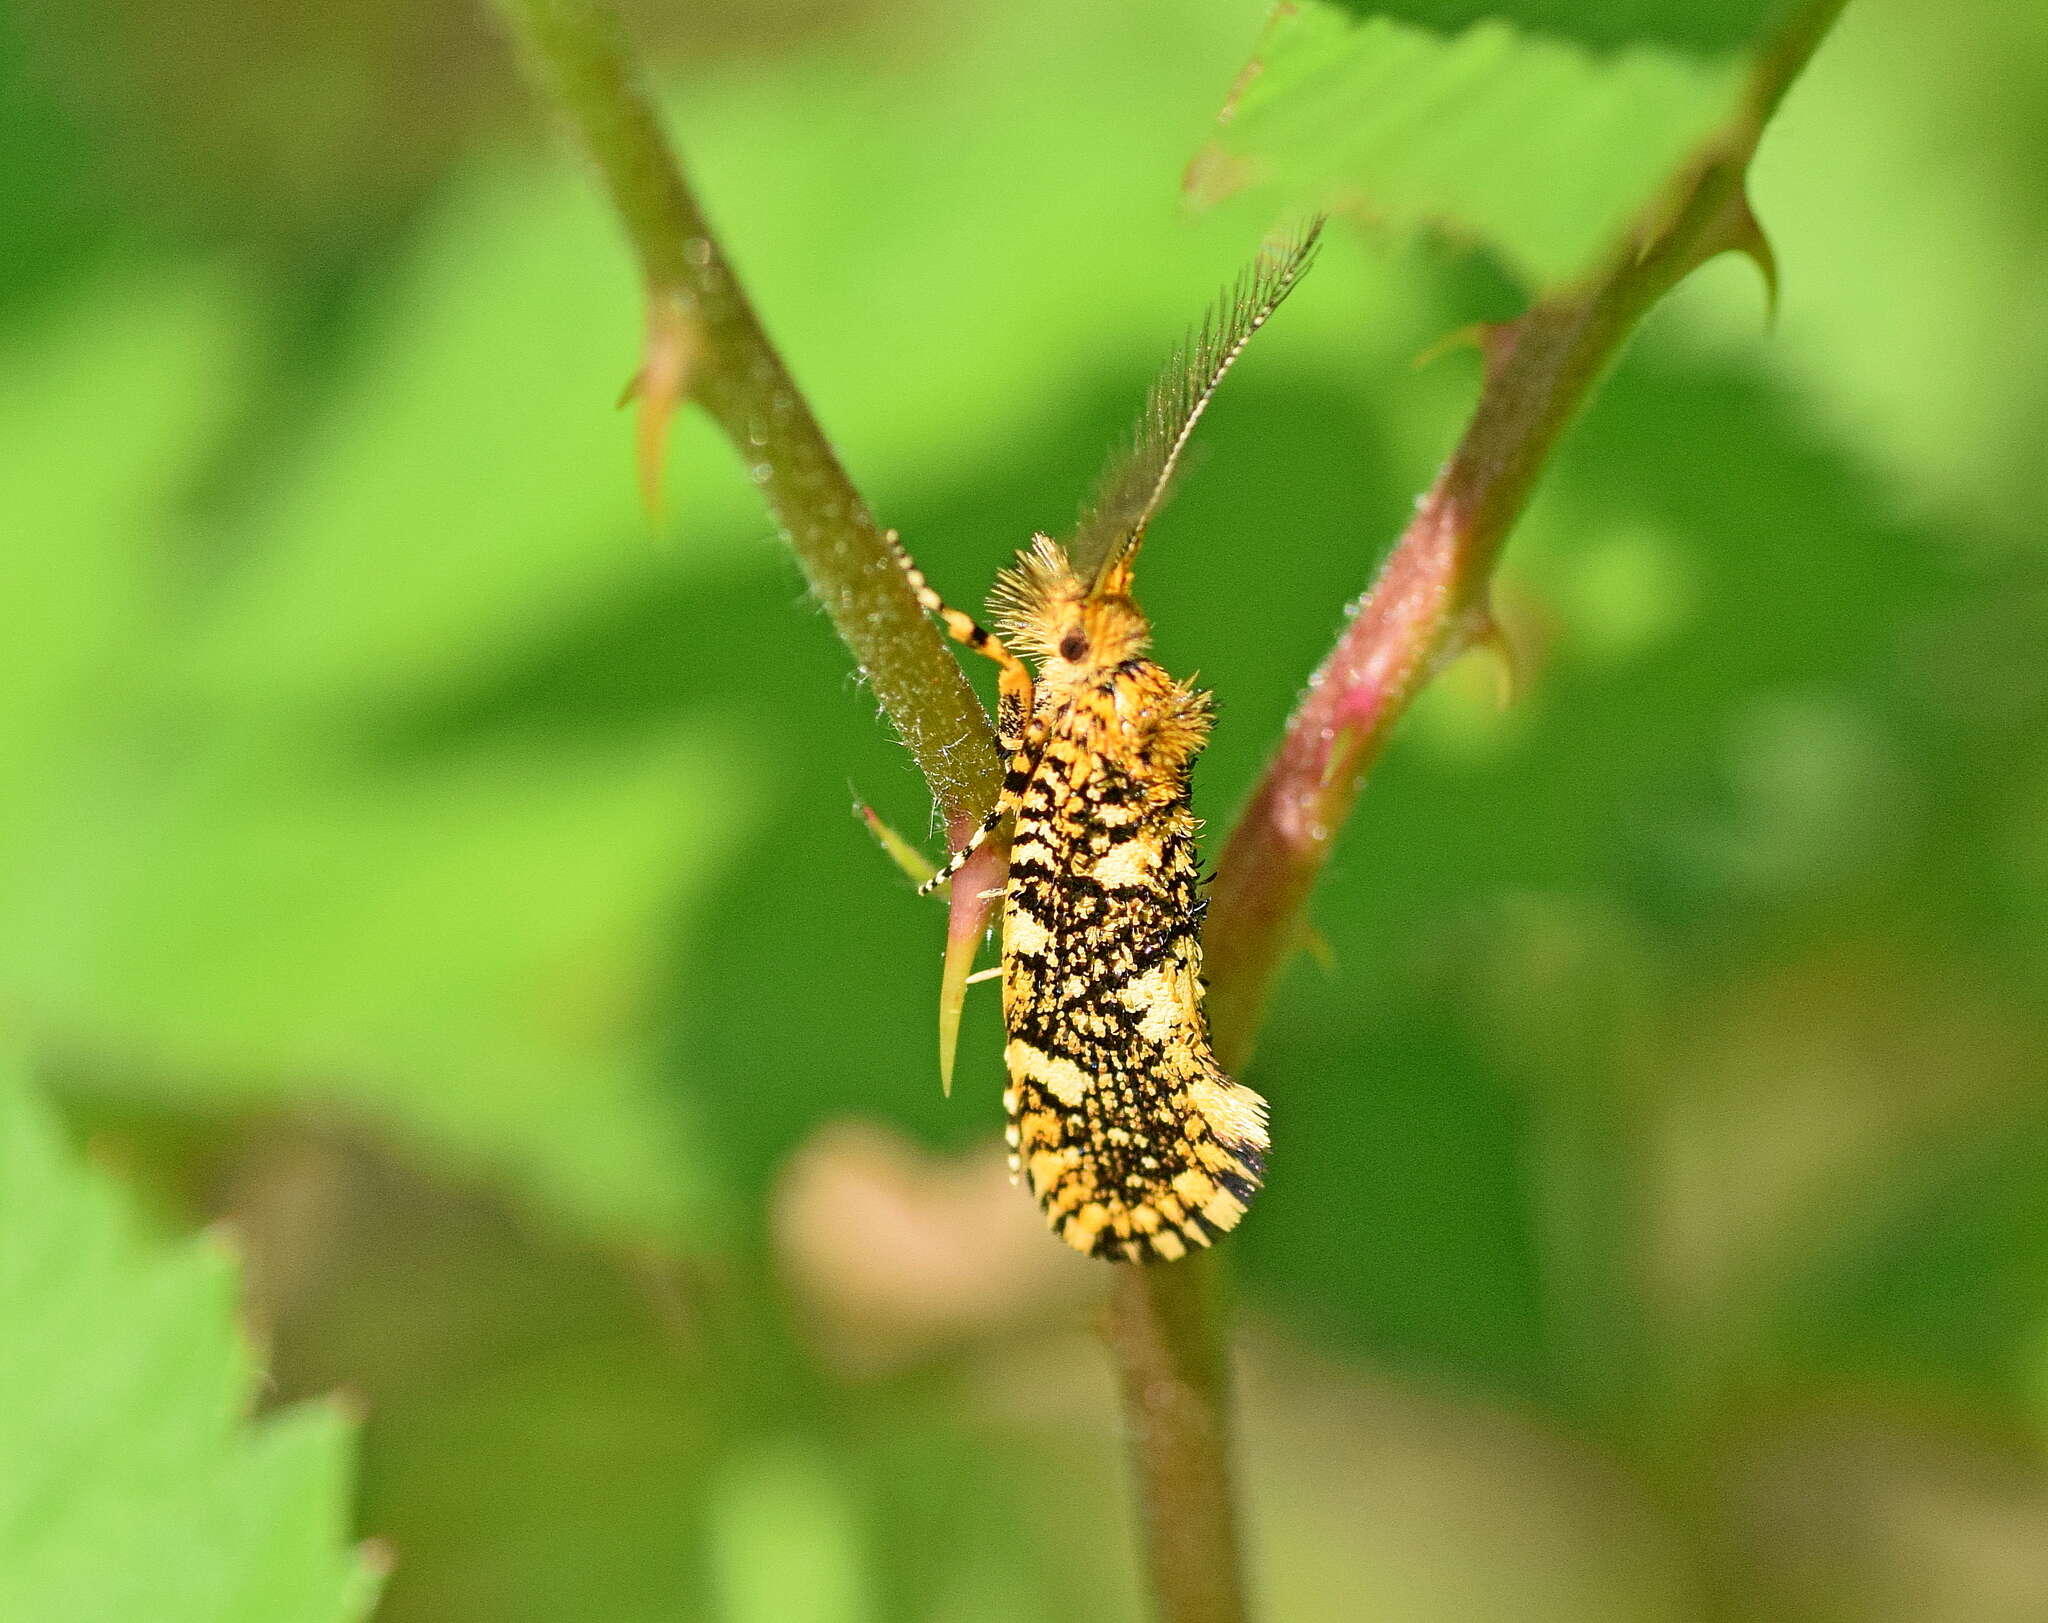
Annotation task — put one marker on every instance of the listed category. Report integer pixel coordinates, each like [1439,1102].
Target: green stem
[1169,1335]
[703,333]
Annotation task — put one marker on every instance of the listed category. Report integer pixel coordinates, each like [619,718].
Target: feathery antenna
[1135,485]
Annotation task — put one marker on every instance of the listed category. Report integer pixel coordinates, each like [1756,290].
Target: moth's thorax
[1133,723]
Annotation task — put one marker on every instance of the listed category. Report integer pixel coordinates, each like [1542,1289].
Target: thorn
[1317,946]
[988,974]
[227,1237]
[1745,236]
[1488,637]
[967,921]
[378,1557]
[899,850]
[661,384]
[1214,175]
[1473,336]
[953,979]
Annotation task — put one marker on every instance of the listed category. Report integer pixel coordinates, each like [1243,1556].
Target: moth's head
[1075,626]
[1096,632]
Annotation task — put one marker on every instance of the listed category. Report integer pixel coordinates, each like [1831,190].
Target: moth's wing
[1135,484]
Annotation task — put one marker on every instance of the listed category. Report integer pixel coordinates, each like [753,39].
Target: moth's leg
[1014,700]
[1016,779]
[1014,685]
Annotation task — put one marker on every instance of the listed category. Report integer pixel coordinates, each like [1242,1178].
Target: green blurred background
[416,860]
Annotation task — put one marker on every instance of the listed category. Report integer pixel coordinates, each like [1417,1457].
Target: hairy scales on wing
[1128,1132]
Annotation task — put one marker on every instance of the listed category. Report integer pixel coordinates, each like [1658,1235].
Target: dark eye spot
[1073,646]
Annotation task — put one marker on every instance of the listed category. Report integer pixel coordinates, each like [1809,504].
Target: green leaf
[1696,24]
[132,1483]
[1528,144]
[305,894]
[101,412]
[785,1542]
[467,952]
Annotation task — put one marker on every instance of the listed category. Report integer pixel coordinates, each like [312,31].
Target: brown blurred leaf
[899,1254]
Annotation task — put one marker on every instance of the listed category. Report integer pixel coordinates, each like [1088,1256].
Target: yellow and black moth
[1135,1143]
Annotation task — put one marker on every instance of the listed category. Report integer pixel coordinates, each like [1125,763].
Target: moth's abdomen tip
[1204,1185]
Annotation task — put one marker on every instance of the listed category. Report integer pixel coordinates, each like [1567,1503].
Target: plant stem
[704,339]
[1168,1334]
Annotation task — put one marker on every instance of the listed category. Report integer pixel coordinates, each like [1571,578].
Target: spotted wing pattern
[1135,1143]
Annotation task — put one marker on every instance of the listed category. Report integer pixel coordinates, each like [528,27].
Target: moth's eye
[1073,646]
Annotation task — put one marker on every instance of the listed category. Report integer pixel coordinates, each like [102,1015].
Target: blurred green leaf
[1697,24]
[103,407]
[785,1547]
[461,951]
[132,1485]
[1948,1285]
[1528,144]
[228,871]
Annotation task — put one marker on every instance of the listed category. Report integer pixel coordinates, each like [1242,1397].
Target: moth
[1135,1143]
